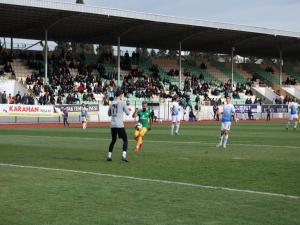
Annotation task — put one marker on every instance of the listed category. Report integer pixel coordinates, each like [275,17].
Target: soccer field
[61,176]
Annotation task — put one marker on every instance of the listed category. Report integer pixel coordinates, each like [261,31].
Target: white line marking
[168,142]
[153,180]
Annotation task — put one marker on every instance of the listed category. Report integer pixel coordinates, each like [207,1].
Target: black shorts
[120,132]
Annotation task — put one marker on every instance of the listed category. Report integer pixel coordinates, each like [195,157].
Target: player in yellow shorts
[139,133]
[144,125]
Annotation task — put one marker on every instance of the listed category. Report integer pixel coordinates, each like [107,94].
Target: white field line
[153,181]
[167,142]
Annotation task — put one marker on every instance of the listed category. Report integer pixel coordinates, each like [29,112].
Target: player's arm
[109,111]
[126,109]
[134,115]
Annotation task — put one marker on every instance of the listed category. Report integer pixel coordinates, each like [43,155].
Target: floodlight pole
[46,56]
[280,68]
[180,65]
[232,51]
[119,61]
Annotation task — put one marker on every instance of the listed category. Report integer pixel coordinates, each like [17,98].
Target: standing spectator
[268,113]
[192,116]
[152,116]
[65,115]
[10,99]
[18,98]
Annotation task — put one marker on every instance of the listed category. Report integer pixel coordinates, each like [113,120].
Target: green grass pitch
[261,157]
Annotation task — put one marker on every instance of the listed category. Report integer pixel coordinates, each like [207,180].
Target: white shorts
[225,125]
[293,116]
[175,119]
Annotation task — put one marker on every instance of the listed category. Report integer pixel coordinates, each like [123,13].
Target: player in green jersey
[144,120]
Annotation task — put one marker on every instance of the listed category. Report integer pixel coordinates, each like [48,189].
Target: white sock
[296,124]
[177,127]
[109,154]
[221,139]
[225,140]
[124,154]
[172,128]
[288,124]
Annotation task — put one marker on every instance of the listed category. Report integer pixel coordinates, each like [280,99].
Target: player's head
[228,99]
[144,105]
[119,93]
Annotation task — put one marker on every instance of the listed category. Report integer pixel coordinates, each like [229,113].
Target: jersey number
[114,110]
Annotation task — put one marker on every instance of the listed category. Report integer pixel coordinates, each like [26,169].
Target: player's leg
[289,122]
[173,125]
[143,133]
[226,133]
[223,126]
[64,122]
[122,134]
[83,122]
[221,138]
[138,138]
[225,138]
[177,125]
[112,143]
[295,122]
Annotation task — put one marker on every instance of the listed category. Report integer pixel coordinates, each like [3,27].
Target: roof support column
[11,45]
[180,65]
[46,56]
[119,61]
[232,52]
[280,67]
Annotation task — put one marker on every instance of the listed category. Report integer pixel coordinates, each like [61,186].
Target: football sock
[296,124]
[177,128]
[221,139]
[124,154]
[288,125]
[225,138]
[172,129]
[109,154]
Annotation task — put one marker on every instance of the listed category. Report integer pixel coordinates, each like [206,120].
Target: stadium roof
[76,22]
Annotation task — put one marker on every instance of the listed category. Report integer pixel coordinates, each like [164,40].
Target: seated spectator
[203,66]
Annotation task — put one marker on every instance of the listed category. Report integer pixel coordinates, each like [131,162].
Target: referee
[116,111]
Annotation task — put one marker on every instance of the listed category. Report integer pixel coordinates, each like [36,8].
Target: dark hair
[119,92]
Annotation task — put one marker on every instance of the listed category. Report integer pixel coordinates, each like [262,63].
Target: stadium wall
[98,113]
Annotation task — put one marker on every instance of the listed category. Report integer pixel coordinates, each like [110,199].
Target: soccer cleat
[176,133]
[109,159]
[218,145]
[224,146]
[124,159]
